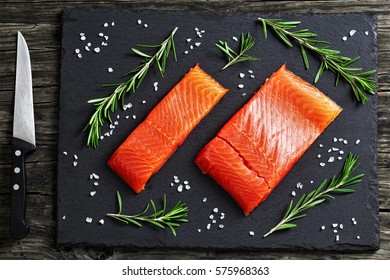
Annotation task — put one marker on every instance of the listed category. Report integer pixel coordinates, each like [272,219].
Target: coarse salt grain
[92,193]
[116,123]
[106,37]
[235,38]
[211,217]
[213,221]
[180,188]
[293,193]
[335,231]
[185,52]
[97,49]
[145,25]
[187,187]
[341,226]
[83,38]
[331,159]
[339,158]
[75,157]
[197,44]
[176,180]
[299,185]
[345,142]
[337,238]
[335,225]
[77,50]
[134,117]
[221,226]
[75,163]
[252,76]
[240,86]
[95,176]
[311,182]
[204,199]
[366,33]
[188,40]
[87,48]
[65,153]
[341,152]
[345,38]
[251,233]
[320,145]
[101,34]
[319,155]
[139,21]
[208,226]
[96,184]
[105,24]
[185,182]
[109,69]
[358,237]
[335,149]
[196,29]
[82,34]
[322,164]
[341,139]
[79,55]
[143,101]
[250,71]
[242,75]
[334,139]
[112,23]
[357,142]
[64,217]
[101,221]
[352,32]
[88,220]
[199,230]
[215,210]
[172,184]
[322,227]
[330,150]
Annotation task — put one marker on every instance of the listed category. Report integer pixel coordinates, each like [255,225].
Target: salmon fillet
[259,145]
[152,142]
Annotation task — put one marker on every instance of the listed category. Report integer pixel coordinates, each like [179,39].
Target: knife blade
[23,141]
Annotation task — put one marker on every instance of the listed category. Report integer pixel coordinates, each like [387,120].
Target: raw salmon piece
[150,145]
[269,134]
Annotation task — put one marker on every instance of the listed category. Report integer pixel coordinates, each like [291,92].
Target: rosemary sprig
[362,83]
[246,43]
[338,184]
[160,218]
[105,105]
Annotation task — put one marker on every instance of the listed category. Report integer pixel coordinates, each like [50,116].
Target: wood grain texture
[40,22]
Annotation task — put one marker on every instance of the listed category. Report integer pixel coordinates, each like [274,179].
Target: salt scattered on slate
[243,94]
[320,145]
[252,76]
[319,155]
[101,222]
[221,226]
[345,38]
[357,142]
[242,75]
[251,233]
[75,163]
[191,47]
[105,24]
[92,193]
[110,70]
[339,158]
[235,38]
[64,217]
[101,34]
[143,101]
[139,21]
[65,153]
[240,86]
[87,48]
[322,227]
[322,164]
[366,33]
[337,238]
[204,199]
[331,159]
[88,220]
[97,49]
[134,117]
[250,71]
[180,188]
[96,184]
[83,38]
[197,44]
[208,226]
[352,32]
[215,210]
[188,40]
[145,25]
[77,50]
[185,52]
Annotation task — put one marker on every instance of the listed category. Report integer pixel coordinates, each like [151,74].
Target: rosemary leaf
[160,218]
[361,82]
[106,105]
[307,201]
[246,43]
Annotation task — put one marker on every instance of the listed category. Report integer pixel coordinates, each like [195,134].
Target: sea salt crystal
[299,185]
[79,55]
[95,176]
[180,188]
[341,226]
[145,25]
[251,233]
[101,221]
[196,29]
[331,159]
[345,142]
[235,38]
[366,33]
[139,21]
[143,101]
[65,153]
[215,210]
[319,156]
[185,182]
[110,70]
[188,40]
[345,38]
[334,139]
[77,50]
[82,34]
[208,226]
[341,152]
[105,24]
[202,31]
[83,38]
[187,187]
[322,227]
[97,49]
[335,231]
[92,193]
[320,145]
[293,193]
[185,52]
[88,220]
[339,158]
[352,32]
[96,184]
[240,86]
[116,122]
[112,23]
[252,76]
[75,156]
[87,48]
[75,163]
[311,182]
[172,184]
[322,164]
[242,75]
[101,34]
[357,142]
[335,225]
[250,71]
[197,44]
[358,237]
[106,37]
[221,226]
[134,117]
[330,150]
[64,217]
[341,139]
[335,149]
[204,199]
[176,180]
[199,230]
[211,217]
[337,238]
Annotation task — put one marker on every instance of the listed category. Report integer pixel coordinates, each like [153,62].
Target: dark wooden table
[40,22]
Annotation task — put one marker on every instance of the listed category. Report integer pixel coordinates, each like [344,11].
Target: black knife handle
[18,226]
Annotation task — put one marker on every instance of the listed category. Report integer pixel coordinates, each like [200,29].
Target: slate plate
[81,79]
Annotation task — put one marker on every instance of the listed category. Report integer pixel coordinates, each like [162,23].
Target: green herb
[105,105]
[161,218]
[362,83]
[338,184]
[246,43]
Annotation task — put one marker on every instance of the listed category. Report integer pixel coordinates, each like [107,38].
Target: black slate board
[80,80]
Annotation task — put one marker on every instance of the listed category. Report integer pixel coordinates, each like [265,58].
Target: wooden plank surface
[39,20]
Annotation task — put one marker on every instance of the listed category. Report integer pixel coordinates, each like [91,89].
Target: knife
[23,141]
